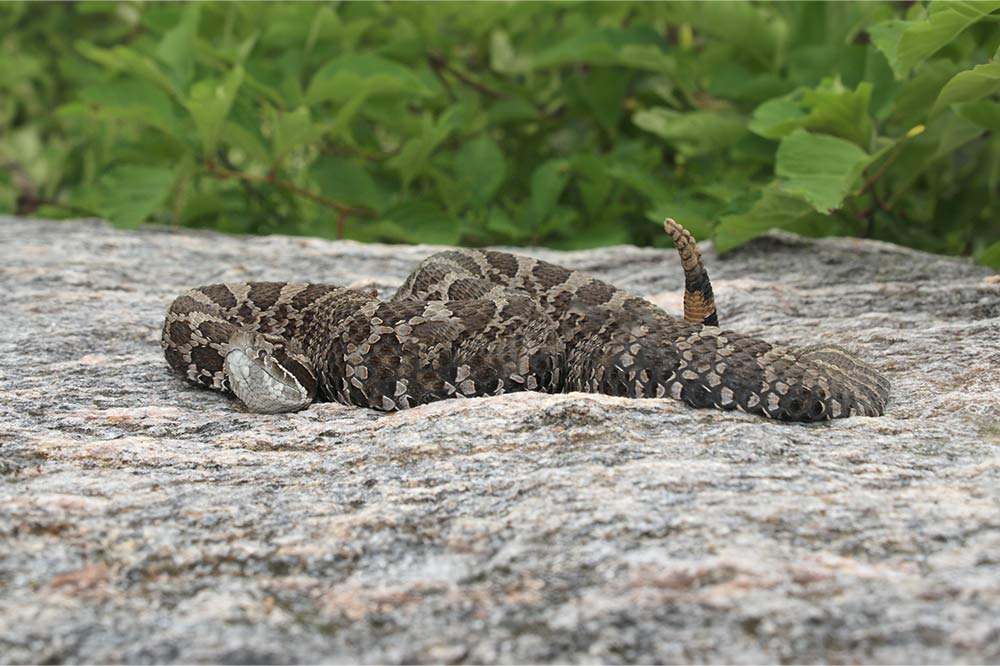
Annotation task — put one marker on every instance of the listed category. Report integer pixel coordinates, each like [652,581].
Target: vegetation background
[560,124]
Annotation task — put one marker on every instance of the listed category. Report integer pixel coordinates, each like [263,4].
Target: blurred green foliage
[568,125]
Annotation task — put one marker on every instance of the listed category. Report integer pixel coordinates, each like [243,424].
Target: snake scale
[472,322]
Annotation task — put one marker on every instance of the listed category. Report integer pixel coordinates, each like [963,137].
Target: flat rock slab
[144,520]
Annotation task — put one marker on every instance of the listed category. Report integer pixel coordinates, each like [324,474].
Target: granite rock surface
[145,520]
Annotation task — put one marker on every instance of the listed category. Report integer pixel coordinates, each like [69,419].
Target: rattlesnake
[471,323]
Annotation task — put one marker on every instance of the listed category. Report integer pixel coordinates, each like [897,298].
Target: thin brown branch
[340,225]
[875,177]
[438,63]
[272,179]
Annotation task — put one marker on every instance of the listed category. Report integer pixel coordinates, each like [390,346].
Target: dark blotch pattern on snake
[471,323]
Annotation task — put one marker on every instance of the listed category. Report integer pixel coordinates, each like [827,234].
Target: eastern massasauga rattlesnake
[478,323]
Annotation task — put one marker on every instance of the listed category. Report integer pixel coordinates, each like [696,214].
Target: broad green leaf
[20,67]
[734,80]
[133,100]
[176,49]
[423,222]
[547,184]
[886,37]
[128,194]
[354,75]
[642,180]
[777,117]
[809,65]
[8,193]
[499,222]
[503,58]
[594,235]
[245,142]
[982,113]
[844,114]
[917,95]
[774,210]
[293,129]
[828,108]
[695,132]
[512,111]
[602,90]
[739,24]
[346,181]
[956,132]
[592,182]
[480,168]
[124,59]
[908,43]
[991,256]
[414,159]
[969,86]
[820,168]
[209,106]
[636,46]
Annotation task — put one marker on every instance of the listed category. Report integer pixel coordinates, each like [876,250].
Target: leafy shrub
[568,125]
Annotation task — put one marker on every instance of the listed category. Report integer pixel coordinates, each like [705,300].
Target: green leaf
[499,223]
[982,113]
[991,256]
[637,46]
[512,111]
[602,90]
[480,169]
[414,159]
[547,184]
[592,182]
[917,95]
[827,108]
[346,181]
[695,132]
[777,117]
[176,49]
[134,100]
[820,168]
[124,59]
[774,210]
[8,194]
[642,180]
[844,114]
[127,194]
[908,43]
[246,142]
[423,222]
[209,105]
[595,235]
[292,130]
[749,31]
[354,75]
[969,86]
[886,37]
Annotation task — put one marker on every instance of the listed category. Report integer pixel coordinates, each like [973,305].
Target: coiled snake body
[476,323]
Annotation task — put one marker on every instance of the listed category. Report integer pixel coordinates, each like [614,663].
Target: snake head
[268,373]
